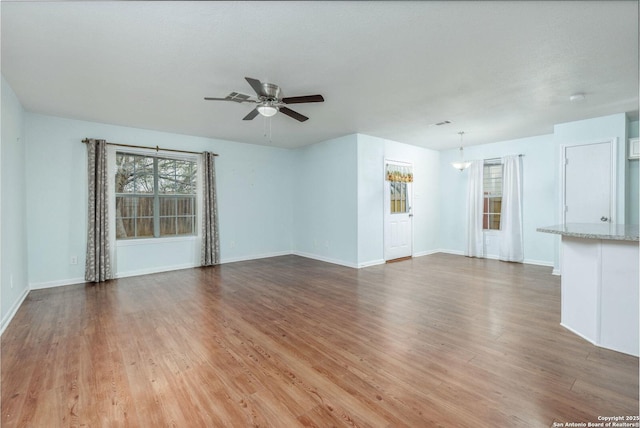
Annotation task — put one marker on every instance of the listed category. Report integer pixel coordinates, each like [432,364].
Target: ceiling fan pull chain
[264,126]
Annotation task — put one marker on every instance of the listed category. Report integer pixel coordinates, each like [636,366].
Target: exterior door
[589,191]
[398,227]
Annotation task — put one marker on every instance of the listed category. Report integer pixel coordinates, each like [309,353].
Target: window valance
[399,173]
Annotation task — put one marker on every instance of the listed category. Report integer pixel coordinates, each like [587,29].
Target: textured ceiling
[497,70]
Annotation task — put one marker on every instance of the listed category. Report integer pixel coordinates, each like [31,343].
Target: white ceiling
[497,70]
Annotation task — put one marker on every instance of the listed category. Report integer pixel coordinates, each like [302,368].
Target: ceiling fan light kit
[269,100]
[267,110]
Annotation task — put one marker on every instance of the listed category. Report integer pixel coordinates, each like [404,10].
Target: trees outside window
[155,196]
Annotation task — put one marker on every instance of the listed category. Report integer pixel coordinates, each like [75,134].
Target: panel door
[588,183]
[398,227]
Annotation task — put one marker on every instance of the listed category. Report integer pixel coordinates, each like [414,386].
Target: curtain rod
[499,159]
[86,140]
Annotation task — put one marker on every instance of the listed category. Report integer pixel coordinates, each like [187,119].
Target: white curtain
[511,243]
[475,200]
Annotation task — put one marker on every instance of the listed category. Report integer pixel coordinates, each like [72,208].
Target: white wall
[586,131]
[426,185]
[372,153]
[254,200]
[539,194]
[13,231]
[633,181]
[339,200]
[325,209]
[370,200]
[332,189]
[593,130]
[323,201]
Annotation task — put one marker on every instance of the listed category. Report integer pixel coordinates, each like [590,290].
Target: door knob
[603,218]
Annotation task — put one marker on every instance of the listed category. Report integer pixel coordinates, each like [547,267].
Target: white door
[589,183]
[398,228]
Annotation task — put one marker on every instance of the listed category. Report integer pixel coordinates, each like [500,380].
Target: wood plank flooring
[435,341]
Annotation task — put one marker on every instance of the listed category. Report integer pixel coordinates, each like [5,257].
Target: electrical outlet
[74,260]
[232,244]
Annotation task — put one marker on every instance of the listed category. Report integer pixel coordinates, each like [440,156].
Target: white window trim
[148,241]
[112,169]
[490,232]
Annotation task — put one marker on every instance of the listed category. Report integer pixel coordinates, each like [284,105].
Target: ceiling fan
[269,100]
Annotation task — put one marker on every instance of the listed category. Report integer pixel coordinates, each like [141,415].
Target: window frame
[489,198]
[197,196]
[399,197]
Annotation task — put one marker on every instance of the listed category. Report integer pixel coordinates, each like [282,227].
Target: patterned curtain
[98,264]
[399,173]
[210,253]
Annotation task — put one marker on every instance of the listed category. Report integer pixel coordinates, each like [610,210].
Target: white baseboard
[52,284]
[425,253]
[12,311]
[579,334]
[325,259]
[255,257]
[154,270]
[454,252]
[371,263]
[148,271]
[71,281]
[338,262]
[538,262]
[382,261]
[494,257]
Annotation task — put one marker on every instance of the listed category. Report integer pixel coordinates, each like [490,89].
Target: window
[399,176]
[155,196]
[399,197]
[492,191]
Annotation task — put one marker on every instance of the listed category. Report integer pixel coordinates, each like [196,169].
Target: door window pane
[399,202]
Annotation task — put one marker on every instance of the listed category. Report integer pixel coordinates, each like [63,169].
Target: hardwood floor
[439,340]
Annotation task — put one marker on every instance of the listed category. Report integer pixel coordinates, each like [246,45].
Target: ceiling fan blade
[257,86]
[294,114]
[233,96]
[303,99]
[253,113]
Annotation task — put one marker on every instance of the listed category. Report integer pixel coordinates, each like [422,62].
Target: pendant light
[461,164]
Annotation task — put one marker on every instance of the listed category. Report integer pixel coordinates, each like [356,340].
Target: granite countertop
[616,232]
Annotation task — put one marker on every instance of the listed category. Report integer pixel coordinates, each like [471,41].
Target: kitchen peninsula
[600,281]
